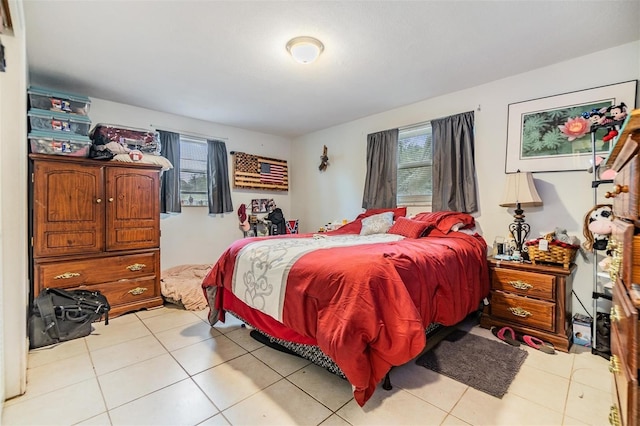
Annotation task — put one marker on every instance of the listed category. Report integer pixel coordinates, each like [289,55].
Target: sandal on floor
[536,343]
[500,334]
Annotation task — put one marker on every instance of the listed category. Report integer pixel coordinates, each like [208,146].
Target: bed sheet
[366,306]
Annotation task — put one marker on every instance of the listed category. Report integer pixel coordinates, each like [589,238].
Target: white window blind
[414,165]
[193,171]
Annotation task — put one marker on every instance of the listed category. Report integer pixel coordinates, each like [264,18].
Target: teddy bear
[598,226]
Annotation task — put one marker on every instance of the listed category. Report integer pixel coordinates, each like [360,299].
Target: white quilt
[262,267]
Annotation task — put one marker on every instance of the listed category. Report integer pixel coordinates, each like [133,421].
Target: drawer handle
[615,314]
[614,416]
[66,276]
[137,291]
[614,365]
[136,267]
[519,312]
[617,189]
[520,285]
[99,200]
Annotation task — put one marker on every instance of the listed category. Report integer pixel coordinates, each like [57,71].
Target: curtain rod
[182,132]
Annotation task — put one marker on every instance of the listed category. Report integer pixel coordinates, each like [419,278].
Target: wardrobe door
[68,209]
[132,208]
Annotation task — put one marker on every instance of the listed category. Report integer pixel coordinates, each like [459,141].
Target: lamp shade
[520,188]
[305,49]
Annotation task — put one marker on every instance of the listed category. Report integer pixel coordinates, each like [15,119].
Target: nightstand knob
[614,364]
[519,312]
[520,285]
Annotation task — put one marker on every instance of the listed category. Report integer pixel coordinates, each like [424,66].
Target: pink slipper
[536,343]
[500,334]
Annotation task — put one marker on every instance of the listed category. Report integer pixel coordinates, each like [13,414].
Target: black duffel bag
[59,315]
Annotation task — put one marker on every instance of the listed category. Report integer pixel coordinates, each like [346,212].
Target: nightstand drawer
[524,283]
[523,310]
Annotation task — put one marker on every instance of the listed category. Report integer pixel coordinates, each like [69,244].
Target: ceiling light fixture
[305,49]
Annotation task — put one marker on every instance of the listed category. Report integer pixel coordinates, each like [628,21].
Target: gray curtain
[454,170]
[218,178]
[380,186]
[170,181]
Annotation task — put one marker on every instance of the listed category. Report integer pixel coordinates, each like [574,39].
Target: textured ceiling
[225,61]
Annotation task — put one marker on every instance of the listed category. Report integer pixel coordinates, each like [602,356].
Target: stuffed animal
[598,227]
[617,113]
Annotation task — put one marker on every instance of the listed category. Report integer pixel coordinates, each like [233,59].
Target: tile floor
[169,367]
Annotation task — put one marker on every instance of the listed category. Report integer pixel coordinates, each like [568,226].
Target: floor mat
[484,364]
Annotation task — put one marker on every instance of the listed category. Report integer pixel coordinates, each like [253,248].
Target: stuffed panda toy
[598,226]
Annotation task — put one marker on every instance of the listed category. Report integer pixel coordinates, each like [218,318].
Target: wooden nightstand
[531,299]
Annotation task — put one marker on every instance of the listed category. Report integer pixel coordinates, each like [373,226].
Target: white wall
[14,285]
[567,196]
[193,236]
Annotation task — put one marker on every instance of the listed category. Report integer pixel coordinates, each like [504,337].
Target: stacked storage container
[58,122]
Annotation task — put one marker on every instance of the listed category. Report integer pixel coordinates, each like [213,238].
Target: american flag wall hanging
[257,172]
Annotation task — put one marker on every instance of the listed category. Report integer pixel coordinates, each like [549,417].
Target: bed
[363,294]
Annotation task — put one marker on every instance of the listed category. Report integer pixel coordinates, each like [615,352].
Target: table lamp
[520,191]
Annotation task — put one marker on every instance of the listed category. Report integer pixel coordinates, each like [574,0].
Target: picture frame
[539,138]
[260,205]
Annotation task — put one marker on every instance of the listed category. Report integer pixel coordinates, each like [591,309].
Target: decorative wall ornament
[258,172]
[324,160]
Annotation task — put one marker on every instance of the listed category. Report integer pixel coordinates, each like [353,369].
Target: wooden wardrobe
[95,225]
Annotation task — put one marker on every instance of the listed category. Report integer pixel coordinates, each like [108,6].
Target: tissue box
[582,330]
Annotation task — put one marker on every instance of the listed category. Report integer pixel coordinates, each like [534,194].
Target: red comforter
[367,306]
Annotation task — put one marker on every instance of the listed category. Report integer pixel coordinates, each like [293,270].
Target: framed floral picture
[554,133]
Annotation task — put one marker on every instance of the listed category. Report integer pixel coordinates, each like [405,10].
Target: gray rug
[484,364]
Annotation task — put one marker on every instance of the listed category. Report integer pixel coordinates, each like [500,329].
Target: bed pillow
[377,224]
[446,221]
[397,212]
[408,228]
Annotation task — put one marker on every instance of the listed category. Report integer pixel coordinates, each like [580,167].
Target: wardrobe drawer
[524,283]
[624,323]
[621,245]
[625,384]
[127,291]
[624,193]
[523,310]
[97,270]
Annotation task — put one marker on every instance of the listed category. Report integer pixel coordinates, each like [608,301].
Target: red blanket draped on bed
[367,306]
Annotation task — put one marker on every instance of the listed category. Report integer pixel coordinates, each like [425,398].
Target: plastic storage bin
[40,119]
[59,143]
[55,100]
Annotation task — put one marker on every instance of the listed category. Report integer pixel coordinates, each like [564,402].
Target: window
[193,171]
[414,165]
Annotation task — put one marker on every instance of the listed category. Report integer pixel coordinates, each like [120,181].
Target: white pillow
[377,224]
